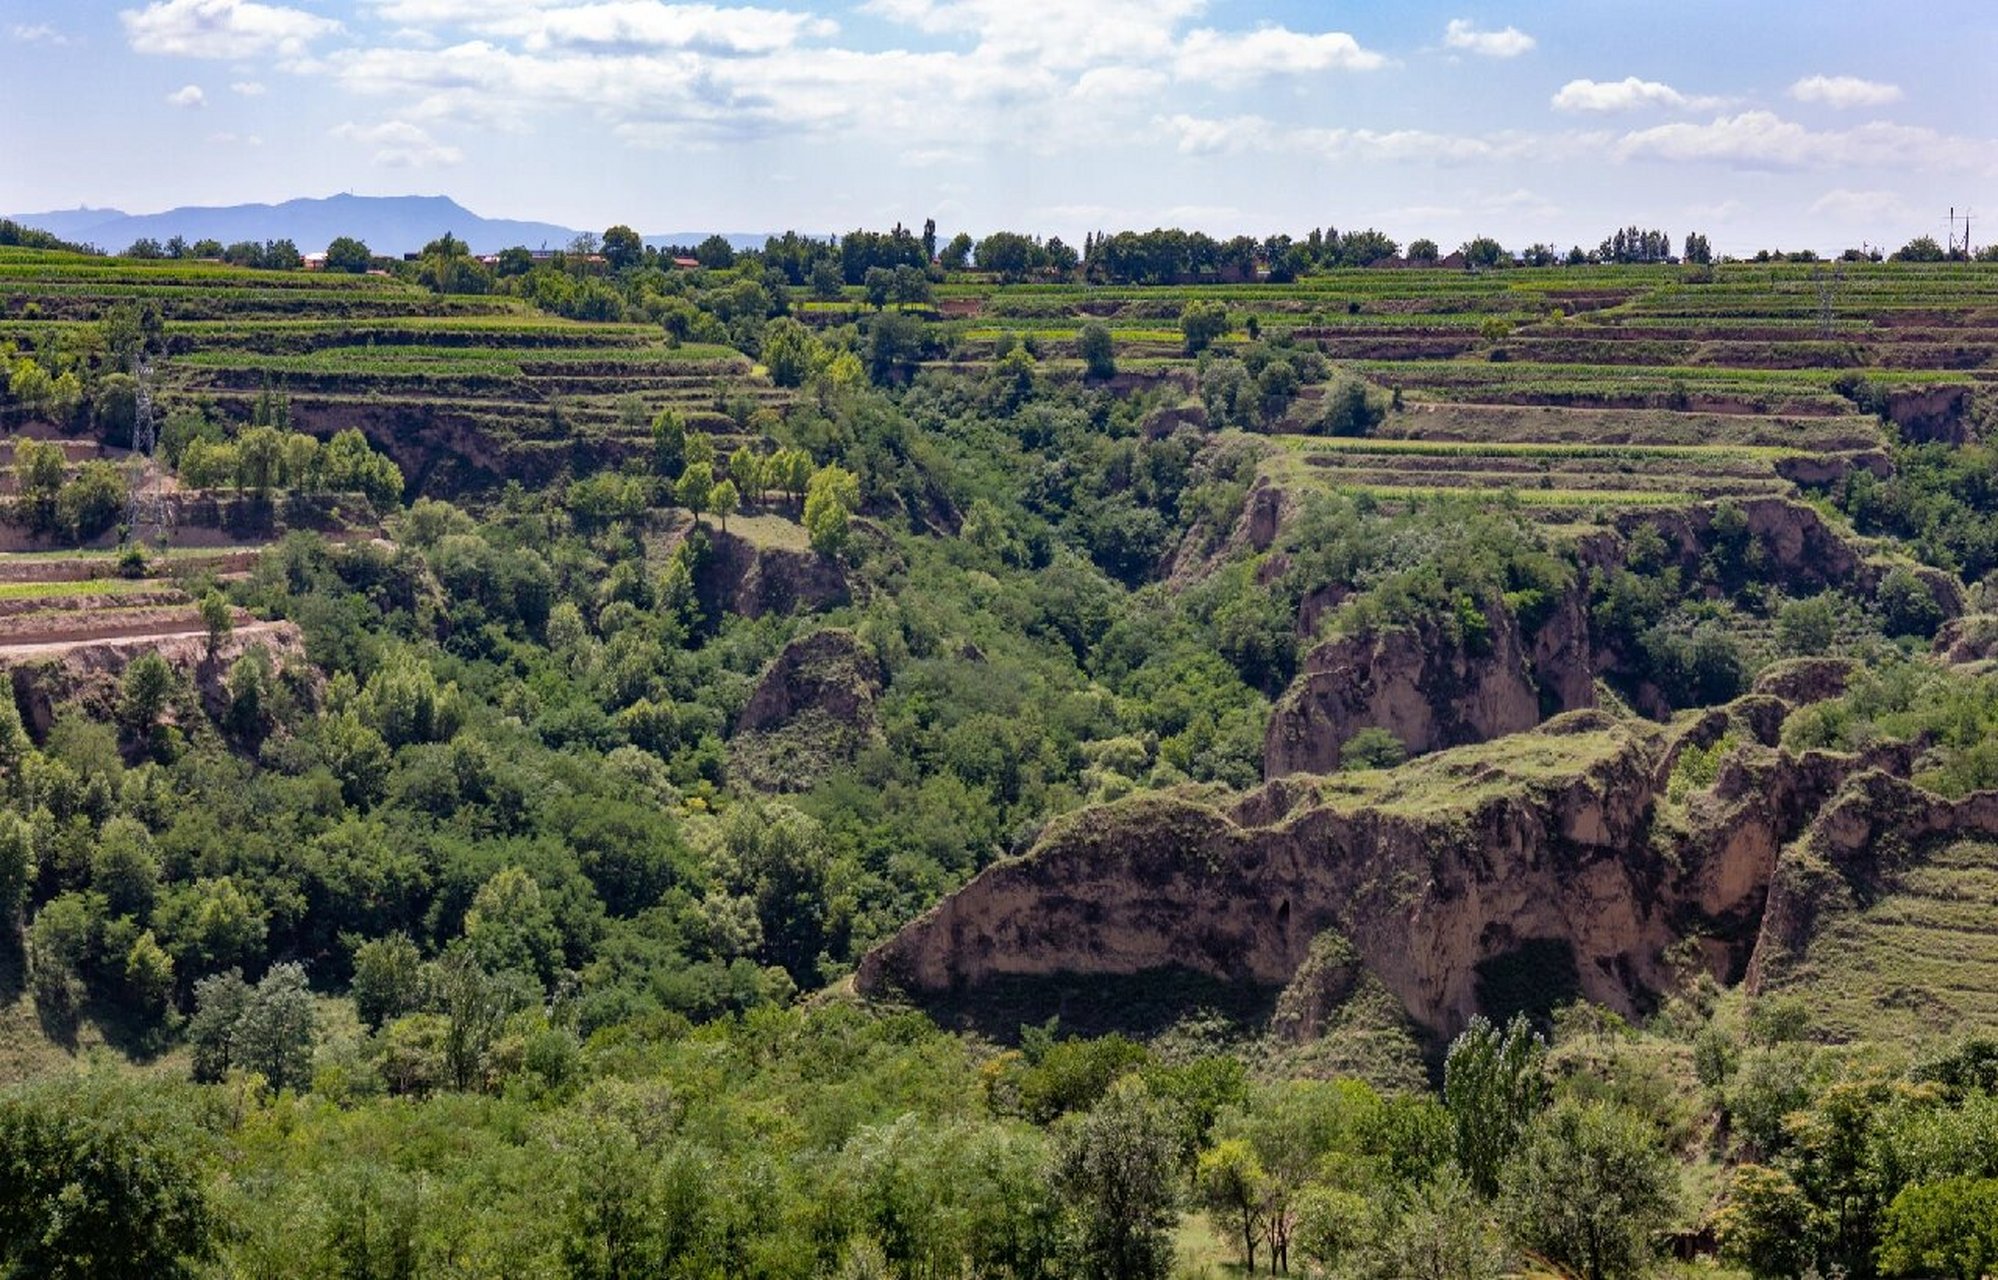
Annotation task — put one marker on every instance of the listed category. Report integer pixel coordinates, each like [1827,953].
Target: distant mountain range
[391,225]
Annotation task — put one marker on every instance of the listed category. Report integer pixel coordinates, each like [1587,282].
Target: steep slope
[1884,910]
[1553,864]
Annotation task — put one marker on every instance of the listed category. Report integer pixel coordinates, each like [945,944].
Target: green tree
[697,482]
[211,924]
[827,284]
[98,1182]
[1372,748]
[1766,1225]
[1202,324]
[1438,1231]
[1494,1083]
[791,470]
[1907,606]
[125,869]
[389,980]
[790,352]
[218,1003]
[218,619]
[1920,249]
[144,691]
[956,255]
[1233,1186]
[17,873]
[115,404]
[259,461]
[273,1034]
[149,981]
[510,927]
[91,503]
[39,469]
[1947,1228]
[1331,1225]
[1097,349]
[746,468]
[715,253]
[669,445]
[61,942]
[623,248]
[1114,1169]
[723,501]
[1588,1187]
[831,498]
[476,1004]
[894,342]
[349,255]
[1349,409]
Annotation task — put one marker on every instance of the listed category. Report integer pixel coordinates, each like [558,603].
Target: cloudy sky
[1765,122]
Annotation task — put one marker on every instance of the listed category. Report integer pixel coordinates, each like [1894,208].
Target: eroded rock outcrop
[87,672]
[754,581]
[813,709]
[1433,687]
[1428,686]
[1564,854]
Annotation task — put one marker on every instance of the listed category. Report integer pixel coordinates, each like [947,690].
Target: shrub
[1372,748]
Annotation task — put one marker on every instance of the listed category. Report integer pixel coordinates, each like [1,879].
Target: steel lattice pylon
[147,514]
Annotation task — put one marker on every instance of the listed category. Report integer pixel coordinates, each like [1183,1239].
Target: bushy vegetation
[472,937]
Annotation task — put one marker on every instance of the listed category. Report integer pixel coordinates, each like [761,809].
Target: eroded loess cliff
[812,709]
[1551,864]
[1431,688]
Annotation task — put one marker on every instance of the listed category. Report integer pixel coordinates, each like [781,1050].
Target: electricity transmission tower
[1828,285]
[146,516]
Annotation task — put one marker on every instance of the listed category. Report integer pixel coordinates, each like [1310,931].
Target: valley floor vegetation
[454,862]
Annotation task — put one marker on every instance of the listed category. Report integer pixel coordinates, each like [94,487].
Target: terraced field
[1569,389]
[53,604]
[1560,388]
[393,359]
[1920,959]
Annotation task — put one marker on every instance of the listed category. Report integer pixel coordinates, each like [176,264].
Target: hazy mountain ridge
[388,225]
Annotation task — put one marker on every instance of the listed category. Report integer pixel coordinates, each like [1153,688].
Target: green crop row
[1475,449]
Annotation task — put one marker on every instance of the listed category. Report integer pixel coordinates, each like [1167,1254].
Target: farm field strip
[1605,452]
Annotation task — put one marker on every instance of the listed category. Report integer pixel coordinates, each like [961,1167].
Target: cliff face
[754,581]
[1432,690]
[1557,849]
[1426,687]
[812,710]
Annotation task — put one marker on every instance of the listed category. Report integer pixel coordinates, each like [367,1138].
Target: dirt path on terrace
[44,647]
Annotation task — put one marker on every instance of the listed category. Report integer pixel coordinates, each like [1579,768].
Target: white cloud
[1848,206]
[1231,60]
[1195,135]
[400,145]
[652,24]
[1463,34]
[1628,94]
[1764,140]
[223,28]
[227,139]
[249,88]
[1844,91]
[1057,34]
[188,97]
[38,33]
[1108,84]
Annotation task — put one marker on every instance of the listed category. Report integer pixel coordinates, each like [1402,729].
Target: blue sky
[1785,123]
